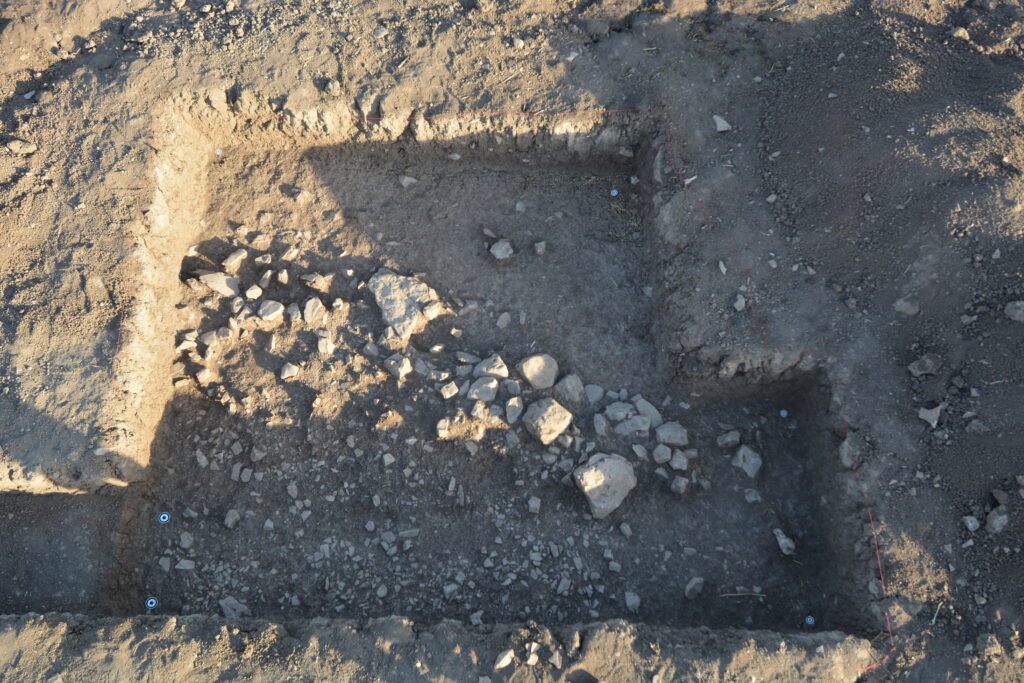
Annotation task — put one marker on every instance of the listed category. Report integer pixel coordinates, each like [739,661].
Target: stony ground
[298,275]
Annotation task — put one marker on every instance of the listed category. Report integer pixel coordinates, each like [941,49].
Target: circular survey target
[151,603]
[163,518]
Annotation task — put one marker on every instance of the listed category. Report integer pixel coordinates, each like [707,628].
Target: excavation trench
[329,494]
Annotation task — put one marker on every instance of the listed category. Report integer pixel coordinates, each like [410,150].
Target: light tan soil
[777,278]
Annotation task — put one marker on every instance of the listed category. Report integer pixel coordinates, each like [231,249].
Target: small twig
[937,613]
[742,595]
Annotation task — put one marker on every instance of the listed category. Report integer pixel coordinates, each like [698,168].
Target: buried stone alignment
[376,411]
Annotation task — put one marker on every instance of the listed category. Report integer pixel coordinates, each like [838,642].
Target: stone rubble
[486,407]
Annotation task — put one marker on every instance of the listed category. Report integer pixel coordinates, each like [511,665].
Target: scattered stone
[601,425]
[398,365]
[288,370]
[672,434]
[680,485]
[325,346]
[681,459]
[222,283]
[513,409]
[997,520]
[739,303]
[786,544]
[405,303]
[927,364]
[694,587]
[594,393]
[449,391]
[234,259]
[22,147]
[185,565]
[253,293]
[908,306]
[185,540]
[492,366]
[233,609]
[619,411]
[632,601]
[407,181]
[637,426]
[540,370]
[662,454]
[605,479]
[647,409]
[502,250]
[748,460]
[546,419]
[270,310]
[730,439]
[504,659]
[931,415]
[312,310]
[231,519]
[972,523]
[540,248]
[484,389]
[721,125]
[1015,311]
[533,504]
[570,390]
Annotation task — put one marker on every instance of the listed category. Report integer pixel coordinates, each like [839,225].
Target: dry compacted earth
[604,340]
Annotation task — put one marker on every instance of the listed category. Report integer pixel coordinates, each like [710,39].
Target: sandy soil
[791,229]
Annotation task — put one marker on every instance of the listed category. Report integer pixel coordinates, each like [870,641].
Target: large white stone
[605,479]
[540,370]
[222,283]
[405,303]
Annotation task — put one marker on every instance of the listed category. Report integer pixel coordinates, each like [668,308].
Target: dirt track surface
[790,229]
[390,649]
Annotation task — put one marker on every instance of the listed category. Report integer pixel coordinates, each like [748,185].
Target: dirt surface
[271,269]
[204,648]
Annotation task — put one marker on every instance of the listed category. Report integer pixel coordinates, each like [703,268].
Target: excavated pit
[328,494]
